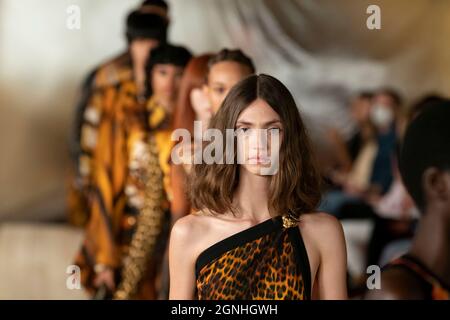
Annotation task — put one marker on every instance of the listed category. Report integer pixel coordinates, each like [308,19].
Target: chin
[256,169]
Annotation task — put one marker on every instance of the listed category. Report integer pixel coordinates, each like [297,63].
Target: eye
[219,90]
[274,130]
[242,130]
[162,72]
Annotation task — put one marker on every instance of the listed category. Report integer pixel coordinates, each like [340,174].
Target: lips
[259,160]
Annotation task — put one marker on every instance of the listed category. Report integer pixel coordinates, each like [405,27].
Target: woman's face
[259,133]
[222,77]
[201,105]
[165,83]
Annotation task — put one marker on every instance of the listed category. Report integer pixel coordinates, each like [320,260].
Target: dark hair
[165,54]
[146,25]
[422,104]
[295,188]
[426,144]
[155,3]
[365,95]
[393,94]
[235,55]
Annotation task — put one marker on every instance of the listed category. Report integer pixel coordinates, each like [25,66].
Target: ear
[436,184]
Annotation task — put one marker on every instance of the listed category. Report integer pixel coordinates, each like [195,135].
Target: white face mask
[381,116]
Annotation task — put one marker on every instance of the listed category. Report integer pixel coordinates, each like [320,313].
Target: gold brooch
[289,221]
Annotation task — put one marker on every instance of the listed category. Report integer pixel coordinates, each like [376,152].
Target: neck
[384,130]
[164,102]
[251,197]
[139,74]
[431,244]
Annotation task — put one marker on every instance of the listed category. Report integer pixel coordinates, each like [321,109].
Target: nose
[170,85]
[258,140]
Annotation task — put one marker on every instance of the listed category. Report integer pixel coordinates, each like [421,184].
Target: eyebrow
[220,83]
[265,124]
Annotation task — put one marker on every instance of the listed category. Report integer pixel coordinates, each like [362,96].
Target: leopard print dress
[265,262]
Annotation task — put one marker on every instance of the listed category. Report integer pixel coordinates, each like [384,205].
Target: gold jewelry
[289,220]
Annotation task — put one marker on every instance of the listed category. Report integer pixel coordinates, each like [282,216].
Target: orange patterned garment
[434,288]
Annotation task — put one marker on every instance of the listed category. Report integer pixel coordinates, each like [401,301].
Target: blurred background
[321,49]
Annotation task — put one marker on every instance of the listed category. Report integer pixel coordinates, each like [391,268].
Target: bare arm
[181,261]
[331,277]
[179,207]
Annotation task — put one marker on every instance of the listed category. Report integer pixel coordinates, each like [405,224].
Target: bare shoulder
[189,225]
[324,231]
[397,284]
[193,231]
[320,223]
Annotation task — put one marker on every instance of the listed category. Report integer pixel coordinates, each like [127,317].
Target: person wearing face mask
[372,169]
[385,115]
[381,116]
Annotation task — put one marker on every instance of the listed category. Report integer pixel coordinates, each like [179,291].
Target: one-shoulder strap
[236,240]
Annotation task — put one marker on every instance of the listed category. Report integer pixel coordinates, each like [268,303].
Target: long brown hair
[295,188]
[194,76]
